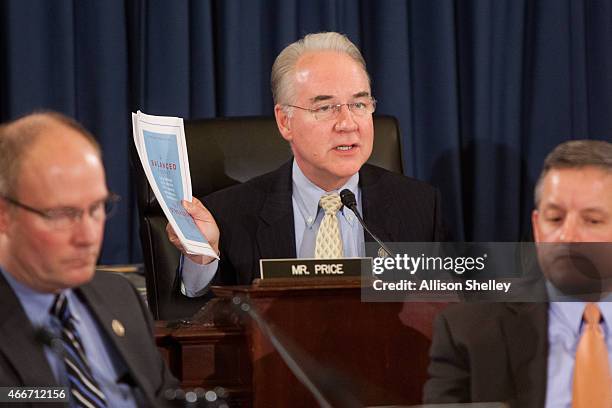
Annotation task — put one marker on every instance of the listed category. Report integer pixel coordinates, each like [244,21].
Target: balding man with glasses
[61,323]
[323,109]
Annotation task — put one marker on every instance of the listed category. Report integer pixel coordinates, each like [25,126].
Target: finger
[173,238]
[194,200]
[197,210]
[170,231]
[178,245]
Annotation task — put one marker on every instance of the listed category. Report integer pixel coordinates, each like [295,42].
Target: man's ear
[283,122]
[534,225]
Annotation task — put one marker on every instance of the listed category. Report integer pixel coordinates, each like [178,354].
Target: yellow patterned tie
[329,241]
[592,383]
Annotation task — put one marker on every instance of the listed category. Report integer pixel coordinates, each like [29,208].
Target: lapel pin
[118,328]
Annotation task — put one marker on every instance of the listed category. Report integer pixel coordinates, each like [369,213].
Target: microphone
[47,338]
[348,199]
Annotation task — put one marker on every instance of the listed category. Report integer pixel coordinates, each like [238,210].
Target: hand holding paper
[207,226]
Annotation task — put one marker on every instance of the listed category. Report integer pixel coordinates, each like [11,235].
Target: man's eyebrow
[361,94]
[320,98]
[551,206]
[594,210]
[588,210]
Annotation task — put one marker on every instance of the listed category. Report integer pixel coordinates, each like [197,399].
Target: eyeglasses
[331,111]
[63,218]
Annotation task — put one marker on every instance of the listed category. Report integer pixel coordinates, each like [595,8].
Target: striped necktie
[84,389]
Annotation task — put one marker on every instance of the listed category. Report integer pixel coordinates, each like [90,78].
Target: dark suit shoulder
[403,208]
[107,281]
[474,311]
[471,320]
[116,294]
[466,312]
[248,195]
[257,185]
[375,174]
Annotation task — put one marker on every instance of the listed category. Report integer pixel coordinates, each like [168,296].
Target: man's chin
[347,170]
[79,275]
[575,276]
[576,268]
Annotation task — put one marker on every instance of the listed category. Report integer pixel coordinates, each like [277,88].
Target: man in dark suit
[61,323]
[527,353]
[323,109]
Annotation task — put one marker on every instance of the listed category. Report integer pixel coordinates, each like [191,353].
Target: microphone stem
[285,355]
[353,208]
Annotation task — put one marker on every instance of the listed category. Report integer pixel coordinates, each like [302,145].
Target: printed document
[160,142]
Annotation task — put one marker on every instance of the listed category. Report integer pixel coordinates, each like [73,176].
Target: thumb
[188,205]
[196,210]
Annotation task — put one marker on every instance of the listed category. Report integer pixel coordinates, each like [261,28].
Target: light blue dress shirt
[307,217]
[565,327]
[107,367]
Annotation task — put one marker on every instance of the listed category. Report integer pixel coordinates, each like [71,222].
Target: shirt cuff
[196,278]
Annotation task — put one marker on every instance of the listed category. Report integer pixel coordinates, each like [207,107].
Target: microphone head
[44,336]
[348,198]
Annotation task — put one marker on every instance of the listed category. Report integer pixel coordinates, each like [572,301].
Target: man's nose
[570,230]
[86,230]
[345,121]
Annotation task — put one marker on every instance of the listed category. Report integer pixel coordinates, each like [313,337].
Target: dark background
[482,89]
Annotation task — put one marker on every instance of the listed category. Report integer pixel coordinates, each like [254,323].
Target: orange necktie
[592,381]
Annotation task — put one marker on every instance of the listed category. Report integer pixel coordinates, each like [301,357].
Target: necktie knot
[330,203]
[592,315]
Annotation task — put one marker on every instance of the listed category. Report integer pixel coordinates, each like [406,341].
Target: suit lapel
[376,204]
[526,335]
[18,343]
[104,316]
[276,229]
